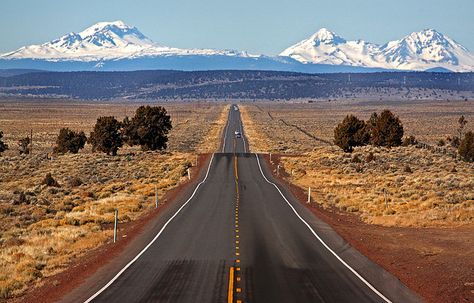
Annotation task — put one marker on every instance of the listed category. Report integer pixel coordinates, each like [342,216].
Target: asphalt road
[237,238]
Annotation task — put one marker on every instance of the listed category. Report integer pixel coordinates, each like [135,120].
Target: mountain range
[118,46]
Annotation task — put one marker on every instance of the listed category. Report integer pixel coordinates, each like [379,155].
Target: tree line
[225,84]
[149,128]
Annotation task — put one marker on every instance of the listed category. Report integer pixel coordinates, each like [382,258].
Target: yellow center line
[230,294]
[237,248]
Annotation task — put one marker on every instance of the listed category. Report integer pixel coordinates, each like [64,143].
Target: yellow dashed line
[237,242]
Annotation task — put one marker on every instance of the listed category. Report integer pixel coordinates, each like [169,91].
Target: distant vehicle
[237,134]
[236,108]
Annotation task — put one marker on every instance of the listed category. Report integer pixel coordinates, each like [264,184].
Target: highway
[239,236]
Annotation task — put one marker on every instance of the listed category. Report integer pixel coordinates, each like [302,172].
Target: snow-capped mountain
[106,41]
[118,46]
[423,50]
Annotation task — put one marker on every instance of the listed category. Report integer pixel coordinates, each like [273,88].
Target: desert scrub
[43,227]
[383,190]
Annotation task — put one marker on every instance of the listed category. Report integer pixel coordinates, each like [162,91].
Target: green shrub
[106,136]
[70,141]
[148,128]
[387,130]
[351,132]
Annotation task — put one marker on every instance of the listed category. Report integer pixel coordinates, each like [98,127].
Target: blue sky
[258,26]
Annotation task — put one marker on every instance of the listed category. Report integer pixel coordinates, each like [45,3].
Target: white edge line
[321,240]
[242,131]
[226,128]
[152,241]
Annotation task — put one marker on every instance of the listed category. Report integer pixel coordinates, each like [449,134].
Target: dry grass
[435,190]
[422,188]
[42,229]
[192,122]
[212,140]
[427,121]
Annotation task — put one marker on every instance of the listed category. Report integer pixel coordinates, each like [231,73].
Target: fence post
[309,195]
[115,225]
[278,170]
[156,197]
[189,174]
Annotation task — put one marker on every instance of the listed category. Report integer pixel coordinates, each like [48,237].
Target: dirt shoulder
[436,262]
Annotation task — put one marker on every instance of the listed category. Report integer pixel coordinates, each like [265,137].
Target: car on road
[237,134]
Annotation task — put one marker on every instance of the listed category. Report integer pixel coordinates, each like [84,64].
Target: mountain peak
[101,26]
[107,41]
[113,34]
[427,35]
[417,51]
[325,36]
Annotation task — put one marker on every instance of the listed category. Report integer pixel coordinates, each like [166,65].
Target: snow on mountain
[108,45]
[423,50]
[427,49]
[106,41]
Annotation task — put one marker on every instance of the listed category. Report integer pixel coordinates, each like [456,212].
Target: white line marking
[242,133]
[321,240]
[225,132]
[152,241]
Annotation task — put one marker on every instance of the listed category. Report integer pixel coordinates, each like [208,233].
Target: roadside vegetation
[372,170]
[58,196]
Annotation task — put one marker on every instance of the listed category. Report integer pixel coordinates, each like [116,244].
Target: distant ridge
[15,72]
[235,84]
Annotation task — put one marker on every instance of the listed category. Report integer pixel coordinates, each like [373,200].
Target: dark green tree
[351,132]
[466,148]
[106,136]
[3,145]
[148,128]
[388,130]
[70,141]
